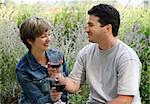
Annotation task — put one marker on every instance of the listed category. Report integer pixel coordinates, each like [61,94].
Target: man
[110,67]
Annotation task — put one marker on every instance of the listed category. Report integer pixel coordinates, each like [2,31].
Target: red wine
[55,66]
[59,87]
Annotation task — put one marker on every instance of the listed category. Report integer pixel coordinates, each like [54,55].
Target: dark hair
[107,15]
[31,28]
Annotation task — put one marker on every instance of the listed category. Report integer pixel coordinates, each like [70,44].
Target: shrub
[141,44]
[10,51]
[69,36]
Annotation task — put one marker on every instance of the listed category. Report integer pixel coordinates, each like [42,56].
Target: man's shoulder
[126,52]
[88,48]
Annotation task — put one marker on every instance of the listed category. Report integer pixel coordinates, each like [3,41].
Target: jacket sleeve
[31,90]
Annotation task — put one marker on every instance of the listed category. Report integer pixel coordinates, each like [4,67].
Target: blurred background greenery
[68,20]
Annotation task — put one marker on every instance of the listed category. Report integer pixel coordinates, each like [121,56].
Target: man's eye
[90,25]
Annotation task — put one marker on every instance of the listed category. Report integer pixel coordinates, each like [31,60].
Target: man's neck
[107,43]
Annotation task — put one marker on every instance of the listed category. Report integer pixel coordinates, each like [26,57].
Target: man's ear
[109,28]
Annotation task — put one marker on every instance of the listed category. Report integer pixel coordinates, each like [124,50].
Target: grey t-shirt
[108,73]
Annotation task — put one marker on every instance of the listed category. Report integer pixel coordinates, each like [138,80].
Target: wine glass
[55,67]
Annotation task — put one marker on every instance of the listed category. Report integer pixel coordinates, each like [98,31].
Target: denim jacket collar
[54,54]
[34,65]
[50,54]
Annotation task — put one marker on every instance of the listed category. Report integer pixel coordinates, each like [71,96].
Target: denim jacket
[34,81]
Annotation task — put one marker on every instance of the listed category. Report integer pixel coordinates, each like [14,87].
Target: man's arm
[122,99]
[71,85]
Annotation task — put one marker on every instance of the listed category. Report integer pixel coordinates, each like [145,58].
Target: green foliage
[141,44]
[81,96]
[8,60]
[69,36]
[131,16]
[24,11]
[23,14]
[10,49]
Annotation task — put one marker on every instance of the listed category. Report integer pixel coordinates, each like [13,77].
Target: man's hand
[61,78]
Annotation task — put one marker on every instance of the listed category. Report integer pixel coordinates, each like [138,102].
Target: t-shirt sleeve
[129,77]
[78,73]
